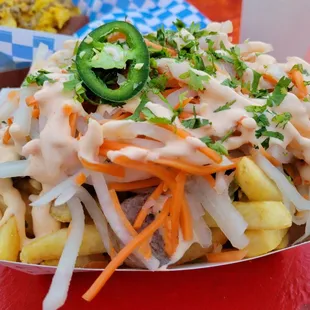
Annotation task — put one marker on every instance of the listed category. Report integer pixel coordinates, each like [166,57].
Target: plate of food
[173,150]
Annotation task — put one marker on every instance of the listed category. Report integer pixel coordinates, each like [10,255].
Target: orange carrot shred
[273,160]
[130,186]
[116,36]
[13,94]
[210,180]
[186,221]
[158,47]
[167,236]
[125,252]
[298,80]
[80,179]
[72,123]
[111,169]
[269,78]
[67,109]
[183,103]
[144,211]
[227,256]
[7,136]
[176,207]
[31,101]
[35,112]
[184,115]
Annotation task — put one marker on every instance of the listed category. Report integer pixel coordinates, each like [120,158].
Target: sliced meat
[131,208]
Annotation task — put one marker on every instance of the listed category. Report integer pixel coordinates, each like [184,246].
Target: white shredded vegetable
[66,195]
[97,216]
[58,291]
[219,206]
[12,169]
[287,189]
[203,233]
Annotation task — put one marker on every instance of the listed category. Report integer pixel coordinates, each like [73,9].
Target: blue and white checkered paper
[18,46]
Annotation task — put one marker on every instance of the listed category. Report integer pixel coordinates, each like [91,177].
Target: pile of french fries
[47,250]
[261,206]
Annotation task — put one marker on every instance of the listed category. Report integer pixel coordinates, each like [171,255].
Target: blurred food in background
[43,15]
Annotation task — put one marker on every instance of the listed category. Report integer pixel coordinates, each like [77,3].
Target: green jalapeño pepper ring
[95,53]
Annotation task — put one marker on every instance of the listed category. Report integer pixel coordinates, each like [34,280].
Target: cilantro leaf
[179,24]
[194,123]
[227,135]
[282,119]
[197,62]
[161,36]
[195,80]
[279,93]
[265,143]
[273,134]
[159,82]
[152,118]
[256,78]
[143,101]
[224,107]
[70,85]
[38,78]
[306,83]
[298,67]
[261,120]
[256,108]
[233,83]
[216,146]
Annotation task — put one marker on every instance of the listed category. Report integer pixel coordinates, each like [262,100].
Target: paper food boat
[17,47]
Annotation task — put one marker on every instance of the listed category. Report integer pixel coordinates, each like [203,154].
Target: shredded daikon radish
[97,216]
[66,196]
[58,189]
[58,291]
[114,220]
[11,169]
[287,189]
[219,206]
[197,211]
[203,233]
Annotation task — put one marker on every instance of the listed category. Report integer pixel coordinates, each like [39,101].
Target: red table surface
[277,282]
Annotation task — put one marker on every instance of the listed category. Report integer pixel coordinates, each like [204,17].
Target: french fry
[263,241]
[284,243]
[50,247]
[255,183]
[61,213]
[260,215]
[81,261]
[196,250]
[265,214]
[9,241]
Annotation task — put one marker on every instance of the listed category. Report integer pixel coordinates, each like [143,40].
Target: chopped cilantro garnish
[195,80]
[227,135]
[153,63]
[265,143]
[152,118]
[195,122]
[282,119]
[298,67]
[256,108]
[224,107]
[76,47]
[161,36]
[279,93]
[256,78]
[38,78]
[306,83]
[233,83]
[216,146]
[179,24]
[261,120]
[159,82]
[273,134]
[197,62]
[143,101]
